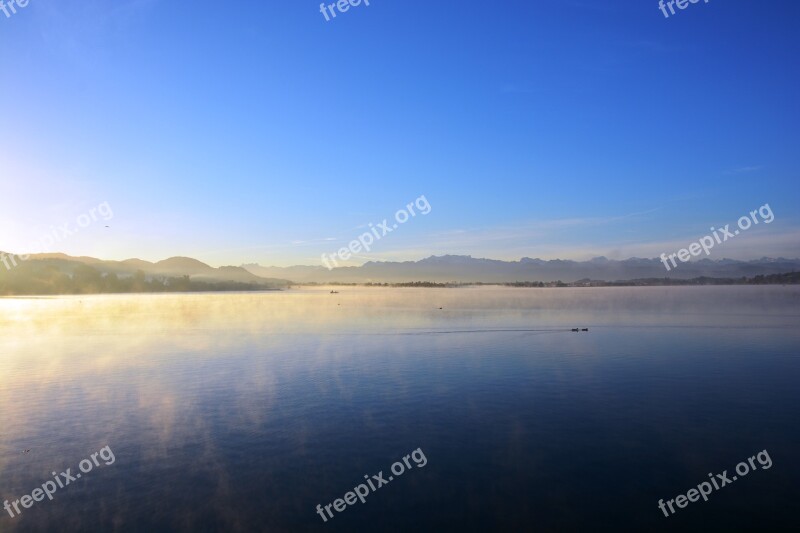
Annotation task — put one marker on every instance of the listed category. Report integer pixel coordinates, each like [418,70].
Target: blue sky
[258,132]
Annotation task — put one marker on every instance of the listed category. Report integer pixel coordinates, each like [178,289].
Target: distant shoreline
[791,278]
[184,285]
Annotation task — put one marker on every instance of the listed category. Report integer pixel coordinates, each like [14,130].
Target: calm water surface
[243,412]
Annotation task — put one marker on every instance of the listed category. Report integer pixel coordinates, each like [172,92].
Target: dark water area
[243,412]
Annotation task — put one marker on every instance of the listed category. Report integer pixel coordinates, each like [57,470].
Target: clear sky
[257,131]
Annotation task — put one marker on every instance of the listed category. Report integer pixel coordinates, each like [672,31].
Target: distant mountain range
[465,269]
[63,274]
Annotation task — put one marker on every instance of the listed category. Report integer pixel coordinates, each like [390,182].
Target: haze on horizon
[243,133]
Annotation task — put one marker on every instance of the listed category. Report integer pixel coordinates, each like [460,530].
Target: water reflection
[241,412]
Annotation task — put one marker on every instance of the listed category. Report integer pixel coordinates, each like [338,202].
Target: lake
[245,411]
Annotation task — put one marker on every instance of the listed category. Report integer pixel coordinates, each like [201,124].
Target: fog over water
[244,411]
